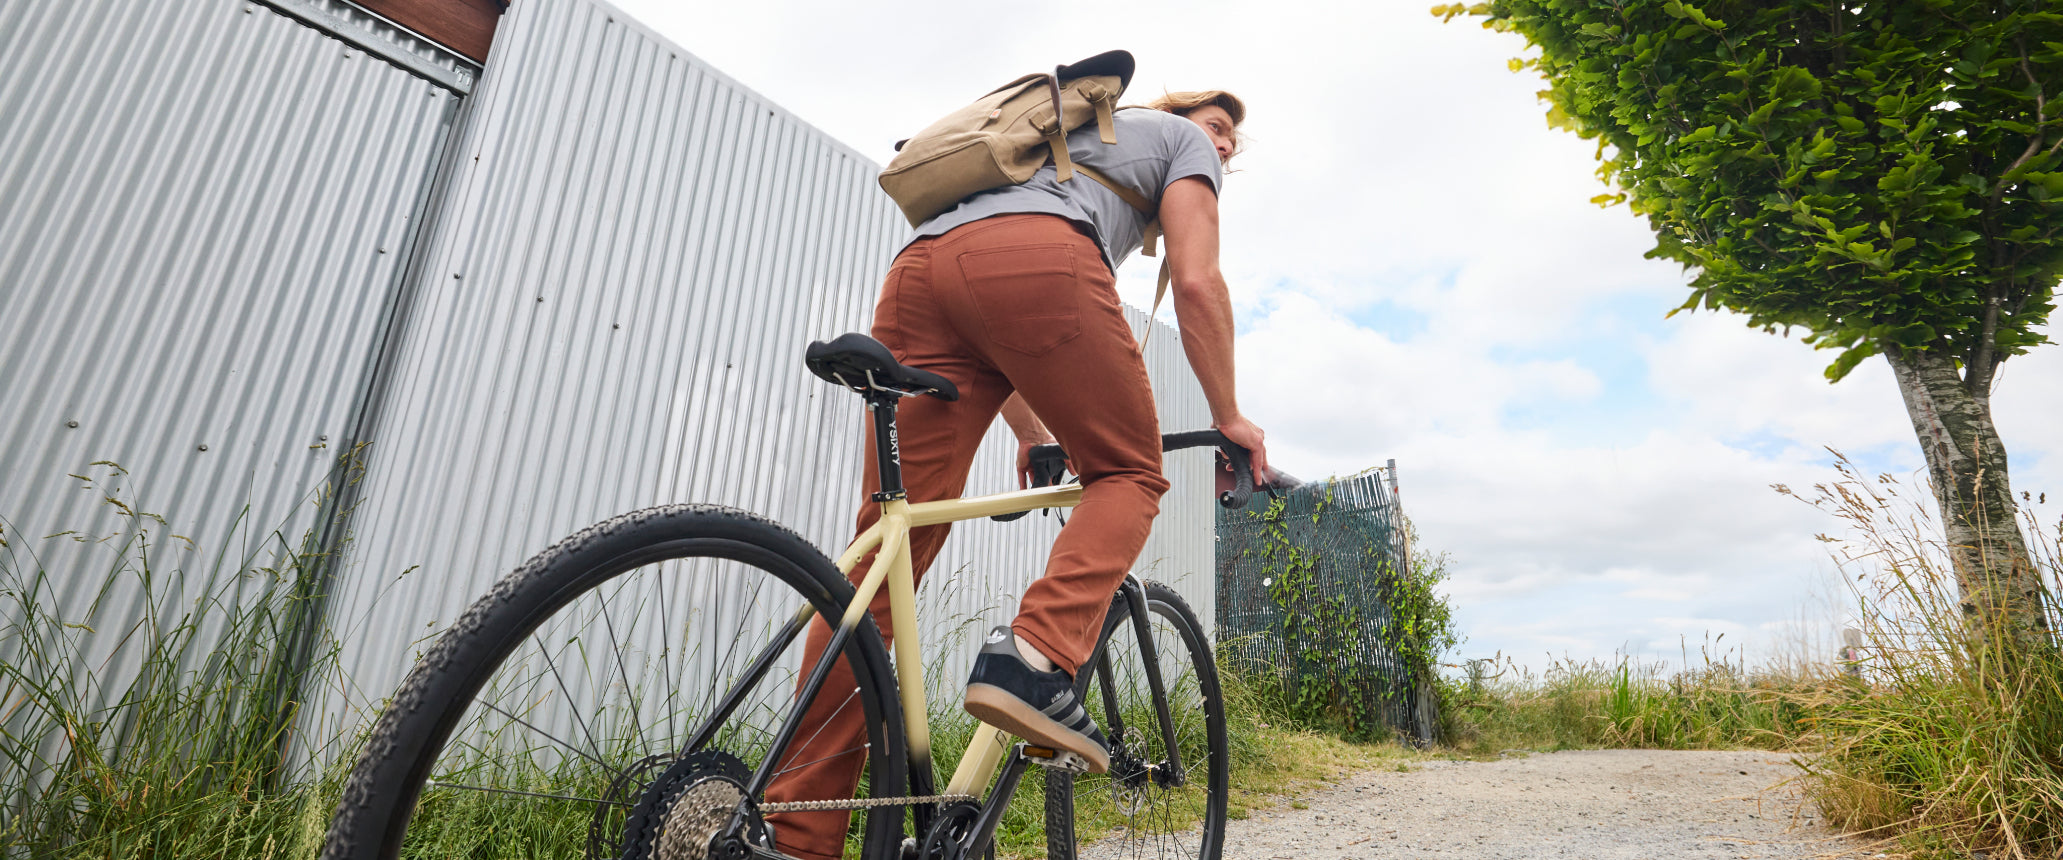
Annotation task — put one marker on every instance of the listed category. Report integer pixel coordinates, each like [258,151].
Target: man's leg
[939,440]
[1033,297]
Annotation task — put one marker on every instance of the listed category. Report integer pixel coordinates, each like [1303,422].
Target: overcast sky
[1419,275]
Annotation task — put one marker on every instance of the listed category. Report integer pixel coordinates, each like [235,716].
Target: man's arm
[1203,308]
[1030,432]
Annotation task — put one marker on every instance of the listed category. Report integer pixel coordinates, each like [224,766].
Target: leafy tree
[1884,175]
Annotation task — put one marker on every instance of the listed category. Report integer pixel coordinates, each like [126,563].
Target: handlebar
[1048,463]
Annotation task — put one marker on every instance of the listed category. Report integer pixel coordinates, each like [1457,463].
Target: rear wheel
[1146,806]
[612,697]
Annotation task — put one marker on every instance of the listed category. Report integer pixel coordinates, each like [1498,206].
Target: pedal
[1054,759]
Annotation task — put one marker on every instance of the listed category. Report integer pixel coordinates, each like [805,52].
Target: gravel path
[1588,804]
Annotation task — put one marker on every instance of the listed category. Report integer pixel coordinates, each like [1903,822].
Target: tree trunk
[1966,464]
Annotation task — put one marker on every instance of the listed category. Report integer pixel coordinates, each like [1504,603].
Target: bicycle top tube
[1048,462]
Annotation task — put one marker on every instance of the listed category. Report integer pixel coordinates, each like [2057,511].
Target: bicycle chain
[861,803]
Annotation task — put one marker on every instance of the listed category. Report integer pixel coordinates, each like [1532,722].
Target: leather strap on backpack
[1056,137]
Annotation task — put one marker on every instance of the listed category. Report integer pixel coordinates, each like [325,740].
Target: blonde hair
[1185,103]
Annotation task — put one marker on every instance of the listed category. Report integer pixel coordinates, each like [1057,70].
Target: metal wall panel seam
[412,250]
[443,361]
[431,305]
[516,427]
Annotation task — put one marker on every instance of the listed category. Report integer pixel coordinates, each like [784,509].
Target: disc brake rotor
[1130,779]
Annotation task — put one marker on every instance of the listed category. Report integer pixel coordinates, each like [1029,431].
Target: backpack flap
[1004,137]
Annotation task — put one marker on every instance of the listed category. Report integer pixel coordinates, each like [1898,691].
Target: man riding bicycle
[1011,296]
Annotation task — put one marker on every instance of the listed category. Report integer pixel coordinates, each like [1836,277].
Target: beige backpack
[1006,136]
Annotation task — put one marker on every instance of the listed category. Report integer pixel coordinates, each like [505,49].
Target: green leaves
[1859,182]
[1793,84]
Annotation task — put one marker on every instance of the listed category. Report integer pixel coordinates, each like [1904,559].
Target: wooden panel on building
[465,26]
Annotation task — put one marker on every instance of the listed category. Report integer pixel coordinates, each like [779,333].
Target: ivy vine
[1352,653]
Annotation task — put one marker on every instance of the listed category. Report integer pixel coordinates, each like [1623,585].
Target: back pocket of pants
[1026,295]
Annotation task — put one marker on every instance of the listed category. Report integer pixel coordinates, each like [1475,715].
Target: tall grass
[1718,702]
[1952,738]
[163,733]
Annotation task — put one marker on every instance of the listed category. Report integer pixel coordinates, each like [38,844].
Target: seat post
[888,456]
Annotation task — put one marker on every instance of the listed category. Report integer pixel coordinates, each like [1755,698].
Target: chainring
[949,831]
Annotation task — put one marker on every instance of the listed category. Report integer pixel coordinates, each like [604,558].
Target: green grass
[1952,739]
[182,754]
[1624,703]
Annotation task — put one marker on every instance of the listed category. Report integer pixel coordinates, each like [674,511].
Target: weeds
[1626,704]
[163,733]
[1950,737]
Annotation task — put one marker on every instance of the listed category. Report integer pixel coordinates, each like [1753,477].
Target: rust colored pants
[1012,303]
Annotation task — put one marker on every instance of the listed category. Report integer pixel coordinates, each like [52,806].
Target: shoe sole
[997,707]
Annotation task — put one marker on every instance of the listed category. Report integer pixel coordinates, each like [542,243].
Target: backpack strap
[1149,239]
[1056,140]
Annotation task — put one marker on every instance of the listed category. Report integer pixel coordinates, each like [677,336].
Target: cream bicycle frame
[891,535]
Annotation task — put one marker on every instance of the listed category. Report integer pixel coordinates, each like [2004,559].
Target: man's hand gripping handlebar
[1049,463]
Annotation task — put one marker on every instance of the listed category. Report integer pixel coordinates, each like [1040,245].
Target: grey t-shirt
[1153,149]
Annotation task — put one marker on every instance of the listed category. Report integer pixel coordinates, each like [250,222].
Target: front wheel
[1150,803]
[611,698]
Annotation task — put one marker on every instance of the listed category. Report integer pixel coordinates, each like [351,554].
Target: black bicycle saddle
[852,360]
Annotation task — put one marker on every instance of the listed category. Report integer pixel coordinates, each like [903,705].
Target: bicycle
[562,698]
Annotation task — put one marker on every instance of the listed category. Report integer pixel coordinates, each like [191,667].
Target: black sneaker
[1039,707]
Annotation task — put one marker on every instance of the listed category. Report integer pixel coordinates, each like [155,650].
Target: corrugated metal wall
[613,317]
[204,210]
[211,221]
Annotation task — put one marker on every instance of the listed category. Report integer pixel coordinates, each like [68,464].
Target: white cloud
[1738,380]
